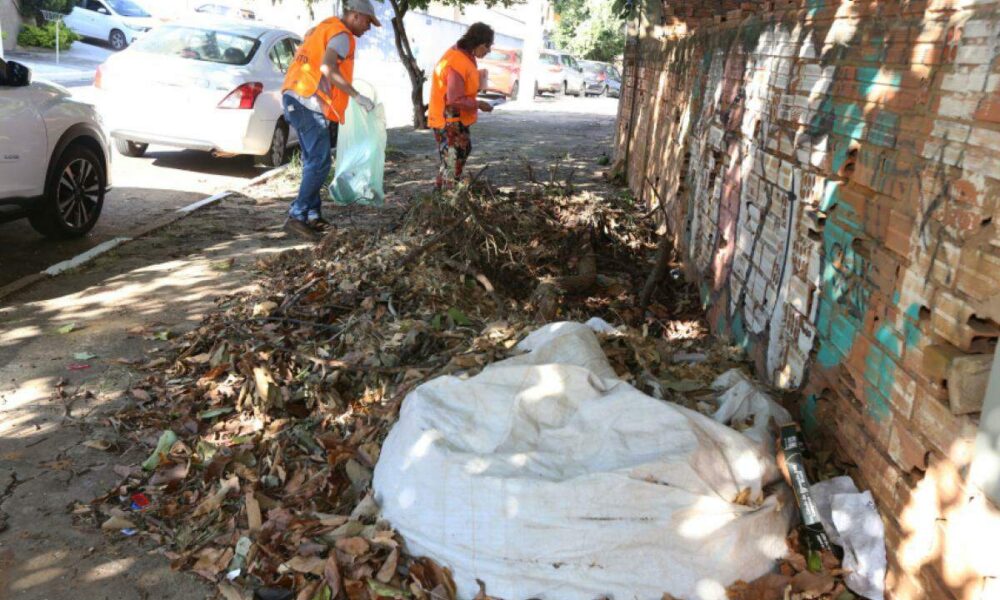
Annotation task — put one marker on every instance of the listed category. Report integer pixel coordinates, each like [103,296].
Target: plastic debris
[852,522]
[139,501]
[361,145]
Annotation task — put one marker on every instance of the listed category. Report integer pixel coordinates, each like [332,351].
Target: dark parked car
[601,79]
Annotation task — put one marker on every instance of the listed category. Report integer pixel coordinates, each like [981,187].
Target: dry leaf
[253,513]
[388,570]
[331,573]
[307,564]
[353,546]
[214,502]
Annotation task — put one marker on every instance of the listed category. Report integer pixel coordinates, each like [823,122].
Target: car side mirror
[103,11]
[16,75]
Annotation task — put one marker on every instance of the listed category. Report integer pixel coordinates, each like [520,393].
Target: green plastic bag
[357,178]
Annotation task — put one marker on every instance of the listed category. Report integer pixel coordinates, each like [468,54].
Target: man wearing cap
[315,94]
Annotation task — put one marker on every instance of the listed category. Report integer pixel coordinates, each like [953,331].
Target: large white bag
[547,477]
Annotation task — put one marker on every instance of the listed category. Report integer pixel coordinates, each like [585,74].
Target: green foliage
[45,36]
[30,9]
[591,29]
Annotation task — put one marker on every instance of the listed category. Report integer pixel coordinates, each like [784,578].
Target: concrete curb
[105,247]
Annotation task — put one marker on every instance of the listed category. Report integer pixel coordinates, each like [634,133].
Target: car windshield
[199,44]
[126,8]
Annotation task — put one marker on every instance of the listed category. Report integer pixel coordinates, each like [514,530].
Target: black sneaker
[320,225]
[300,229]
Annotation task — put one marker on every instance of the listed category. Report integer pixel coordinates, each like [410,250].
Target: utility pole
[529,53]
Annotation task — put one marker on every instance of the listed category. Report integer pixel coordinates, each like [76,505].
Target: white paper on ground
[545,476]
[852,522]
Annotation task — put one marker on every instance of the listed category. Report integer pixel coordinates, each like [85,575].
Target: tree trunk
[400,7]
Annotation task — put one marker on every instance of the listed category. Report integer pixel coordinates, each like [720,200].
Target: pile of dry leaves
[268,419]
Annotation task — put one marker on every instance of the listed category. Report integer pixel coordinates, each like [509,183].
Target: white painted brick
[970,79]
[985,138]
[974,55]
[957,108]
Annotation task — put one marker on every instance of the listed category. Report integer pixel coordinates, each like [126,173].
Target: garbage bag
[357,177]
[546,476]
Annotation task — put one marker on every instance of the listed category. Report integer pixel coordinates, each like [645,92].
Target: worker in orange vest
[315,94]
[454,106]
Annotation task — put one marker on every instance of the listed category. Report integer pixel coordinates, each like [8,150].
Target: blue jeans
[314,142]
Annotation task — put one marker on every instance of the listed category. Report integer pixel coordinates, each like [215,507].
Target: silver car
[559,73]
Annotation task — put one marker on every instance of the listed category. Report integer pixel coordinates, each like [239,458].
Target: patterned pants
[454,146]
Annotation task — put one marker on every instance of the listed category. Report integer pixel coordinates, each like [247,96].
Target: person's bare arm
[332,76]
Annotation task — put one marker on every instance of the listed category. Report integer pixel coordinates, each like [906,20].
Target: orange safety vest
[464,66]
[303,75]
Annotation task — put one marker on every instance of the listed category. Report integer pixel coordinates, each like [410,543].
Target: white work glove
[364,102]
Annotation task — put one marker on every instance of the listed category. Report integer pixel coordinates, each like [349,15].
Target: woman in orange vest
[317,88]
[454,106]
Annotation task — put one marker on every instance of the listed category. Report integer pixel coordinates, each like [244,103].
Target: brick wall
[831,173]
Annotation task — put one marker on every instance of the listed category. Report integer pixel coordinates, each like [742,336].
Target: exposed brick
[882,118]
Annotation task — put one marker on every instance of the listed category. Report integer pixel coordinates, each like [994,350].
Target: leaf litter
[264,424]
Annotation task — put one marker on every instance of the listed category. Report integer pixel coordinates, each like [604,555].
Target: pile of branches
[267,420]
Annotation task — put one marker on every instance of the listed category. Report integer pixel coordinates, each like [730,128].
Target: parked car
[201,85]
[558,73]
[504,68]
[118,22]
[224,10]
[54,159]
[601,79]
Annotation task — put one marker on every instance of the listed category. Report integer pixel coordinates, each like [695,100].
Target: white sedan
[54,163]
[200,85]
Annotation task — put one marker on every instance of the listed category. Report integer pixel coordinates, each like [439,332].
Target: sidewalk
[76,66]
[60,386]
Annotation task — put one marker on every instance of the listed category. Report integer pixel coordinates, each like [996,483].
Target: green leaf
[385,591]
[162,335]
[84,356]
[323,593]
[815,562]
[436,321]
[167,439]
[67,328]
[215,412]
[458,317]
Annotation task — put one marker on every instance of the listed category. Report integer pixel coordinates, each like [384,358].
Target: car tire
[130,148]
[277,153]
[117,40]
[73,197]
[515,89]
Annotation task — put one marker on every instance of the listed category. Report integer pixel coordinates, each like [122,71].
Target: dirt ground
[70,346]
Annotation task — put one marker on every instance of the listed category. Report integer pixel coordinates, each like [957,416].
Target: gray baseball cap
[364,7]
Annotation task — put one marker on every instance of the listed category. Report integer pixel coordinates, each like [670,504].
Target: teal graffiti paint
[910,329]
[740,337]
[809,422]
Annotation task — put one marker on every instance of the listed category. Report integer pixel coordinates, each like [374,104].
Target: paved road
[145,189]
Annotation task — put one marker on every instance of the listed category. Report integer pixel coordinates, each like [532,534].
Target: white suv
[54,159]
[118,22]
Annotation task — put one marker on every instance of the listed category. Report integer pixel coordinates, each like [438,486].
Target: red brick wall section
[831,173]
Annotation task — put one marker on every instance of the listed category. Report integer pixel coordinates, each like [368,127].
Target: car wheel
[130,148]
[277,154]
[74,197]
[515,89]
[117,40]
